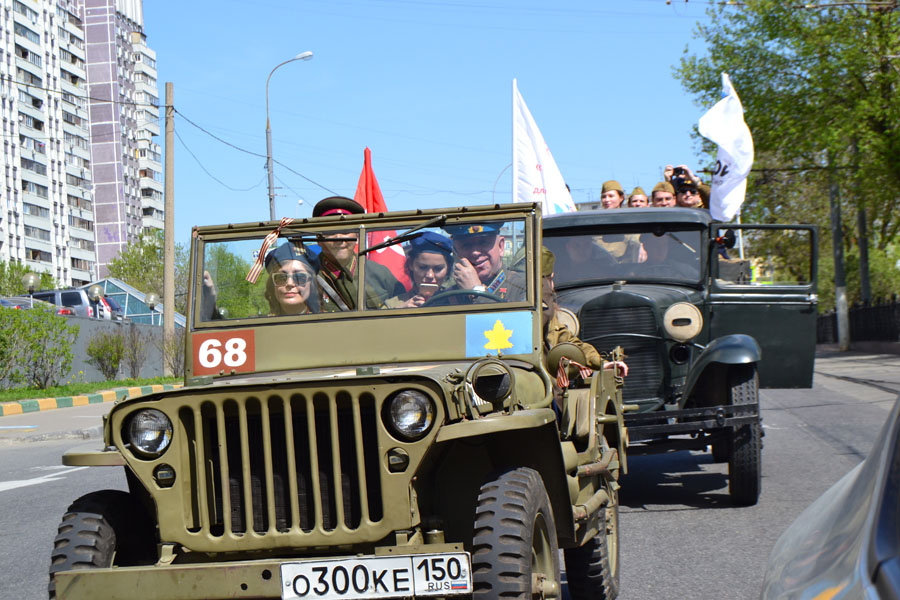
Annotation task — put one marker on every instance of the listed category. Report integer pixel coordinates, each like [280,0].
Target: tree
[11,279]
[47,346]
[820,86]
[135,350]
[140,265]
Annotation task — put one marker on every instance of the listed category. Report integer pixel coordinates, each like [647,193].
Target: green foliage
[11,279]
[820,88]
[12,346]
[74,389]
[237,296]
[172,348]
[140,265]
[44,346]
[106,351]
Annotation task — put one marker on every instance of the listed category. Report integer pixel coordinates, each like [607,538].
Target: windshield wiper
[675,237]
[412,233]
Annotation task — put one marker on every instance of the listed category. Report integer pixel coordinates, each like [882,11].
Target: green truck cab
[707,314]
[374,452]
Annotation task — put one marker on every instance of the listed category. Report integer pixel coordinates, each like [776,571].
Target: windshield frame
[363,225]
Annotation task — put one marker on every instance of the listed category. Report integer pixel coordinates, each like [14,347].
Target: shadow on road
[675,478]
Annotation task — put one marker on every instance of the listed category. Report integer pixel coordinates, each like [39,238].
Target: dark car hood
[662,295]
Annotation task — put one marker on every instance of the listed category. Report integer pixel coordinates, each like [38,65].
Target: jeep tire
[744,461]
[514,549]
[99,530]
[592,570]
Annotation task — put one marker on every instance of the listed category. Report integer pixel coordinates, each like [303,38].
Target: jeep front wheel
[744,461]
[99,530]
[514,548]
[592,569]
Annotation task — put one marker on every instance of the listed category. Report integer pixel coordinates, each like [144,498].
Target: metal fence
[878,322]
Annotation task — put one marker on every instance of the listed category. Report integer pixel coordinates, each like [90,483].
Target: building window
[34,188]
[37,233]
[81,264]
[34,166]
[38,255]
[27,34]
[80,223]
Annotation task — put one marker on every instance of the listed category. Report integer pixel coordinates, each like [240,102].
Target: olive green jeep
[395,450]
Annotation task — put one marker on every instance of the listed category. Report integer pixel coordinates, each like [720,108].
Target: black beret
[337,205]
[430,242]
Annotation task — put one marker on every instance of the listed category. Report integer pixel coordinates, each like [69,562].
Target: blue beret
[284,253]
[458,231]
[430,242]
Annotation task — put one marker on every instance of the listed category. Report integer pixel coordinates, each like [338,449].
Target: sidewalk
[19,407]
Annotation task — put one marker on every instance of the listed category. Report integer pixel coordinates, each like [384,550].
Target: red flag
[368,194]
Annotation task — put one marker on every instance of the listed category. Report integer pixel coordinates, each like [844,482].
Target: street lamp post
[302,56]
[151,300]
[31,281]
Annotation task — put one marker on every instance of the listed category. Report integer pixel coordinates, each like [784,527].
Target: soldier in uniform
[338,279]
[480,265]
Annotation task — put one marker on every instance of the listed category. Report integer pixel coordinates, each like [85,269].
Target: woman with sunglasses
[291,288]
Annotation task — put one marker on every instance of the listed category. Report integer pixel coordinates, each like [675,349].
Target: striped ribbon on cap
[257,268]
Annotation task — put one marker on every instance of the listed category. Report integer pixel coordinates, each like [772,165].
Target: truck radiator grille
[603,327]
[276,465]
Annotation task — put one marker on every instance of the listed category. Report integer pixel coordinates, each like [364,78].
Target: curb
[19,407]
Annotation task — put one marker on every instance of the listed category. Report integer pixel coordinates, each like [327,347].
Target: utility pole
[169,231]
[840,280]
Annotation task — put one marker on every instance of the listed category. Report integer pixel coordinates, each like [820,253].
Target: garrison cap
[337,205]
[663,186]
[612,184]
[460,231]
[547,262]
[638,191]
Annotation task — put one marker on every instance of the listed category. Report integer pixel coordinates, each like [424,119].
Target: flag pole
[514,163]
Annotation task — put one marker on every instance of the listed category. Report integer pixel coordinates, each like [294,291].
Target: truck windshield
[633,256]
[311,273]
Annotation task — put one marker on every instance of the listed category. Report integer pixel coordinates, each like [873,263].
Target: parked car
[115,311]
[25,303]
[707,314]
[846,543]
[75,299]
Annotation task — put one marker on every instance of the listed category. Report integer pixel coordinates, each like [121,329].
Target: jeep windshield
[637,254]
[311,272]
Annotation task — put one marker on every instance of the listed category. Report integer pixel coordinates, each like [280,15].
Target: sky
[427,86]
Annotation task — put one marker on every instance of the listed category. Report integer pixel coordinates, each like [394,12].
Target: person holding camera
[690,191]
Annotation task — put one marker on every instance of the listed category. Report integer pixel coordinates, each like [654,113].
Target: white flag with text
[724,124]
[536,178]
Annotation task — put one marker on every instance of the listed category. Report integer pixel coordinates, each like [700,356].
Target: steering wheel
[443,298]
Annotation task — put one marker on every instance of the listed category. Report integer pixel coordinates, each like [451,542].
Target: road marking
[6,427]
[11,485]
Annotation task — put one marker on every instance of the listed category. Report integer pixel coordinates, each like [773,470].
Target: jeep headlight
[410,414]
[683,321]
[149,432]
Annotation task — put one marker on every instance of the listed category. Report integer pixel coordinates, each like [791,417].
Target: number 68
[211,357]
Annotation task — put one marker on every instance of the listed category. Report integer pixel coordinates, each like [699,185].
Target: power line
[213,177]
[9,78]
[251,153]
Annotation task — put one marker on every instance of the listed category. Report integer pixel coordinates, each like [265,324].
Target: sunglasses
[281,279]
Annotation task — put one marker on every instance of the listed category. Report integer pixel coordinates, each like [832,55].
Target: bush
[46,346]
[172,348]
[135,350]
[12,347]
[106,351]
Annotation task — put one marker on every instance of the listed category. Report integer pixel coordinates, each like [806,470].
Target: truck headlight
[683,321]
[149,432]
[410,414]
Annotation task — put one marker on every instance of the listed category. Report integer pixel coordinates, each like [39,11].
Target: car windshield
[470,264]
[660,254]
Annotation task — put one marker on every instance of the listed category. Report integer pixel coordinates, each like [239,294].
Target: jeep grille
[270,465]
[603,327]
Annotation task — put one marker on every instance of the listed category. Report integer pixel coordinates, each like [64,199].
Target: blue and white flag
[724,125]
[536,178]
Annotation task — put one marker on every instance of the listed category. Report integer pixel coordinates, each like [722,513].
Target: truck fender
[735,349]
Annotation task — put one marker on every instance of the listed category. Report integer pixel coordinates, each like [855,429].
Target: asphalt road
[680,536]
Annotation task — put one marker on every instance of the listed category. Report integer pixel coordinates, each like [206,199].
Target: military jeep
[707,313]
[375,452]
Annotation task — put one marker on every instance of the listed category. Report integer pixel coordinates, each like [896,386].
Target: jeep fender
[736,349]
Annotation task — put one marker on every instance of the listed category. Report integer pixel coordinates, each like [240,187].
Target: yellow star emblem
[498,337]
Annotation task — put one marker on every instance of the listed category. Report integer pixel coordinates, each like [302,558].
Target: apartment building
[124,110]
[79,109]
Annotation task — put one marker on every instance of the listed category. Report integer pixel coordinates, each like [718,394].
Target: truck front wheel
[99,530]
[745,457]
[592,570]
[514,549]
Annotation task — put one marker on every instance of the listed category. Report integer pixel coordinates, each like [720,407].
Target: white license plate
[414,576]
